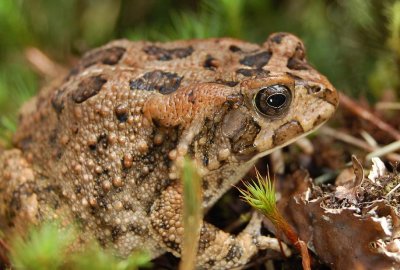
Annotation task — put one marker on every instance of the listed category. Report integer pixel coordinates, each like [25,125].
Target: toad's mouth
[251,154]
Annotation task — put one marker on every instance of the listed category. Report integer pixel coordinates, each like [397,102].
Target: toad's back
[88,135]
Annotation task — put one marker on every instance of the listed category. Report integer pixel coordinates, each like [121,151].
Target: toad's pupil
[276,100]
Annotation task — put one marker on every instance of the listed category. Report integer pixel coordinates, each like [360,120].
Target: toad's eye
[273,100]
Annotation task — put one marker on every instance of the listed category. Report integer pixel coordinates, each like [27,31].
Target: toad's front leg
[217,249]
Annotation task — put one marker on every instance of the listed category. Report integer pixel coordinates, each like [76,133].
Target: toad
[102,146]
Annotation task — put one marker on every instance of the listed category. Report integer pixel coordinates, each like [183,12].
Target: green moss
[43,248]
[48,247]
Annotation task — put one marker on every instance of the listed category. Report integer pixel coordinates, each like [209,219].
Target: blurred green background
[356,43]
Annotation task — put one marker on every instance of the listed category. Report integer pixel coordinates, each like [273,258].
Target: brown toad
[100,146]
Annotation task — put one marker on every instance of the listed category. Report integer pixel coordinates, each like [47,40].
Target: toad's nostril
[314,89]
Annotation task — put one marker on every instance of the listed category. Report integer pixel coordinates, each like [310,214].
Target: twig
[344,137]
[368,116]
[393,190]
[387,105]
[385,150]
[42,63]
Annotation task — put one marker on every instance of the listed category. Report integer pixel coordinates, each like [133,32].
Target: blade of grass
[192,214]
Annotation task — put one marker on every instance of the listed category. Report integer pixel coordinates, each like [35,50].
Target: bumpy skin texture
[102,146]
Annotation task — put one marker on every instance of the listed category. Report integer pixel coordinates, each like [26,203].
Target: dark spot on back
[252,72]
[277,38]
[204,185]
[53,137]
[297,64]
[102,141]
[227,83]
[191,97]
[164,82]
[207,198]
[210,263]
[88,88]
[210,63]
[299,52]
[115,233]
[163,54]
[109,56]
[205,159]
[234,48]
[220,181]
[59,153]
[121,112]
[207,235]
[25,143]
[257,60]
[137,229]
[57,101]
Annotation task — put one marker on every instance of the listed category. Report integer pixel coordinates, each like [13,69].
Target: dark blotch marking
[207,198]
[58,154]
[57,101]
[115,233]
[191,97]
[297,64]
[220,181]
[92,147]
[163,54]
[25,143]
[227,83]
[53,137]
[257,60]
[88,88]
[110,56]
[277,38]
[286,132]
[207,237]
[234,48]
[77,189]
[102,201]
[164,82]
[252,72]
[137,229]
[205,159]
[204,185]
[102,141]
[235,251]
[319,120]
[210,263]
[121,112]
[172,245]
[210,63]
